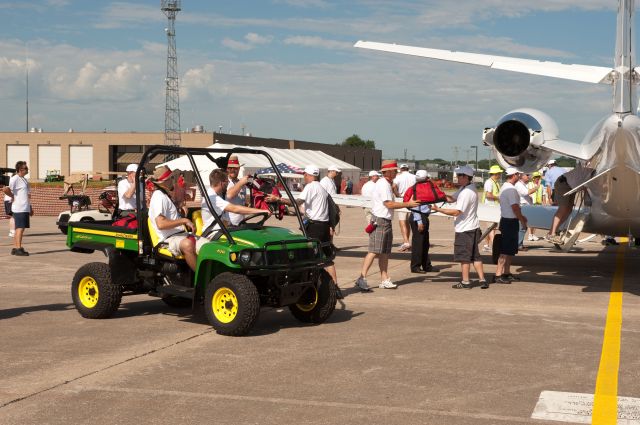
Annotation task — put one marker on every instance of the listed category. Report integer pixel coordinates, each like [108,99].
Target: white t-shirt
[315,204]
[404,181]
[123,203]
[508,196]
[488,188]
[239,199]
[20,188]
[523,191]
[368,188]
[467,203]
[161,205]
[219,205]
[329,185]
[382,193]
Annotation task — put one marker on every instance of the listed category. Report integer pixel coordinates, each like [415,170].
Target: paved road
[424,353]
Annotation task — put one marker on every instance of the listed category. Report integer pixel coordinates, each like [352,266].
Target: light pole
[476,148]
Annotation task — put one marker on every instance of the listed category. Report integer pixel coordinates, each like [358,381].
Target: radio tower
[172,108]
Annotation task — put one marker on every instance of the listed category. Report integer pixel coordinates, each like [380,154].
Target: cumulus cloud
[251,40]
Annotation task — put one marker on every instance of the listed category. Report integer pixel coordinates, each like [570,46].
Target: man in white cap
[467,227]
[403,181]
[127,192]
[550,177]
[315,207]
[511,220]
[328,182]
[367,190]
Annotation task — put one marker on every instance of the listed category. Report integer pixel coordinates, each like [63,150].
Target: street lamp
[476,148]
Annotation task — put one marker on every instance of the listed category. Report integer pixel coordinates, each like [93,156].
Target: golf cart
[79,209]
[241,269]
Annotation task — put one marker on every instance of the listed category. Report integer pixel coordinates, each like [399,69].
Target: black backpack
[334,212]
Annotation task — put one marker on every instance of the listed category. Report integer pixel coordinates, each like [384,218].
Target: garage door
[49,159]
[80,159]
[17,153]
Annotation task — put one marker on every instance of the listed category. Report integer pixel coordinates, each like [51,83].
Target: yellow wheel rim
[224,305]
[306,307]
[88,292]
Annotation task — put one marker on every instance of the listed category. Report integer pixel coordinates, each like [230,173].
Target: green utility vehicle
[240,270]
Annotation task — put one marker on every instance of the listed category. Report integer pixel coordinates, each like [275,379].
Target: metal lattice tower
[172,108]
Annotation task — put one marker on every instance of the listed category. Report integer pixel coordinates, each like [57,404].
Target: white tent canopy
[250,162]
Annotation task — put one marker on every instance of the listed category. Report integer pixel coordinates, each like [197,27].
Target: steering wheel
[265,215]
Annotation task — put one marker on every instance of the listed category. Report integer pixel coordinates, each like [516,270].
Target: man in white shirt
[511,220]
[367,190]
[127,192]
[166,221]
[315,207]
[20,194]
[236,191]
[218,181]
[381,238]
[328,182]
[403,181]
[525,199]
[467,228]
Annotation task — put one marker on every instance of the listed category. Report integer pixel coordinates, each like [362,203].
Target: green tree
[355,141]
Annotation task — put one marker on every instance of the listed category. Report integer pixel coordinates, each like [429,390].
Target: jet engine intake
[519,137]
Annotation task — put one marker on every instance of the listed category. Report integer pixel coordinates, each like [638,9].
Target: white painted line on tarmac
[578,408]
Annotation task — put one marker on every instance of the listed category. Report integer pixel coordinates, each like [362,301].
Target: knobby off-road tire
[495,248]
[93,292]
[316,305]
[232,304]
[177,302]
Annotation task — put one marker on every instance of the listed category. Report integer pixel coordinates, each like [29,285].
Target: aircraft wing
[585,73]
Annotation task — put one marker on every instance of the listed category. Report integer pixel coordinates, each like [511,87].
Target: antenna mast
[172,108]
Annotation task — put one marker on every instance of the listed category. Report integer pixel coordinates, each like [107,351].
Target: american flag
[282,167]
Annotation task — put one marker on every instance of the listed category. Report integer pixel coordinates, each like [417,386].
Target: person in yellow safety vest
[491,195]
[536,198]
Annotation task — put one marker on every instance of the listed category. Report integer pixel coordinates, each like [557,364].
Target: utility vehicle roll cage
[221,162]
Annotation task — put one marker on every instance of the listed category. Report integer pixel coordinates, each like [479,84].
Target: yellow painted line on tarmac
[605,402]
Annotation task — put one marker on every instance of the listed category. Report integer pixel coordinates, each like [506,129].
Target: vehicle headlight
[245,257]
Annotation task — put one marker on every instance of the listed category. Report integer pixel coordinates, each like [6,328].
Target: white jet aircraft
[526,138]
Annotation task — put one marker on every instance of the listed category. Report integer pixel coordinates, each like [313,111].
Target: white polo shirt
[382,193]
[123,203]
[508,196]
[368,188]
[161,205]
[523,191]
[20,188]
[329,185]
[404,181]
[219,205]
[315,204]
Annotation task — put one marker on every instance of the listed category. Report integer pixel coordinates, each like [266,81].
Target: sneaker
[20,252]
[362,284]
[534,238]
[404,247]
[12,233]
[511,277]
[486,248]
[501,279]
[483,284]
[461,285]
[13,251]
[387,284]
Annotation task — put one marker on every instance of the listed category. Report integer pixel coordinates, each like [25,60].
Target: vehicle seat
[161,249]
[197,220]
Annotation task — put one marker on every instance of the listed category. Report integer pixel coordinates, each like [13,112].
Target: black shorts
[321,230]
[509,229]
[22,220]
[7,208]
[465,246]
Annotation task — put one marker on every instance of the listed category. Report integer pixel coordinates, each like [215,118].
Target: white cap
[551,162]
[132,168]
[510,171]
[334,167]
[404,166]
[421,174]
[312,170]
[464,169]
[374,173]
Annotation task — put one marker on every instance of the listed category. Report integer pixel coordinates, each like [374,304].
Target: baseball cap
[132,168]
[511,171]
[404,166]
[312,170]
[552,162]
[334,167]
[421,174]
[465,169]
[374,173]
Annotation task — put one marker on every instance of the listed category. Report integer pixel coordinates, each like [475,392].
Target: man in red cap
[381,238]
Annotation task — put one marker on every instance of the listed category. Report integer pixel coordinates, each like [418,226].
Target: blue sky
[286,68]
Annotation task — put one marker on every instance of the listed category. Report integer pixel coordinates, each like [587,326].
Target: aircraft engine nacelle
[519,137]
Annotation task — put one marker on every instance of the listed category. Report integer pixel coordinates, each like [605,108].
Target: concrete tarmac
[421,354]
